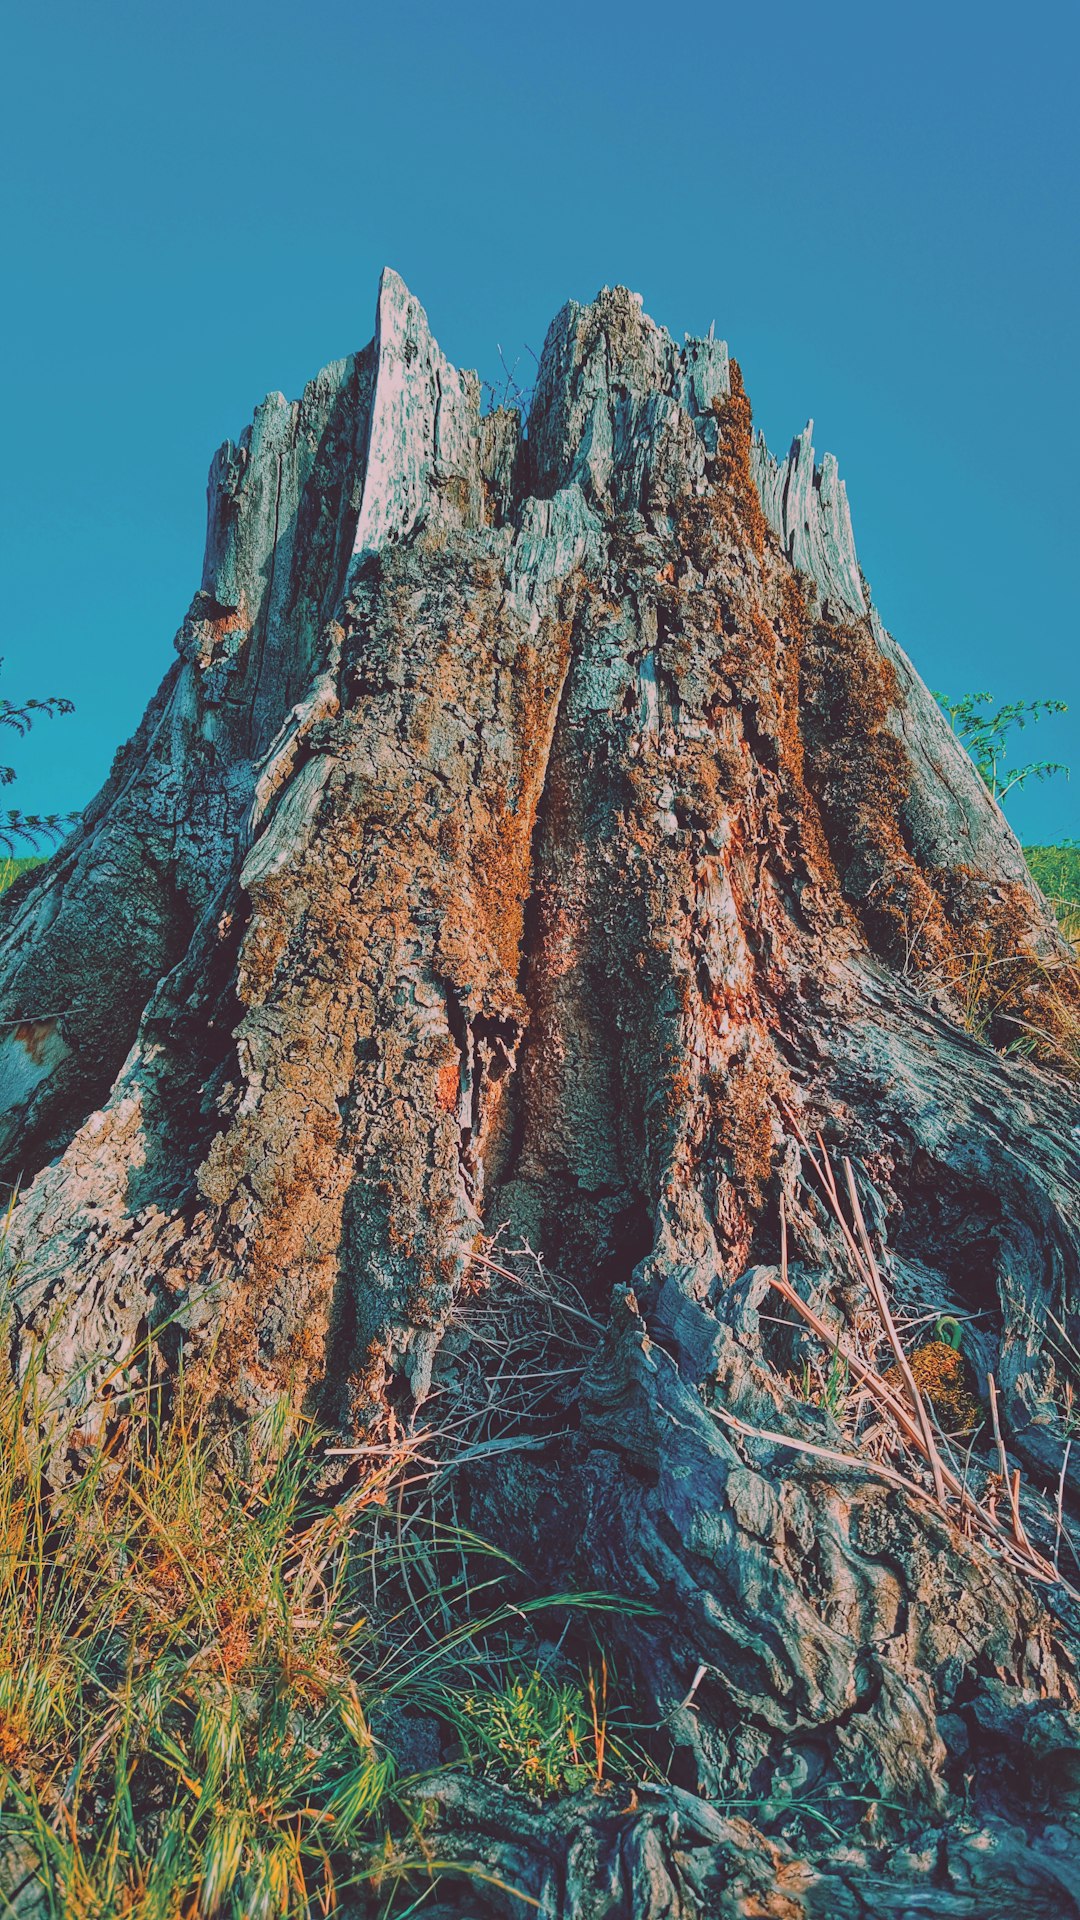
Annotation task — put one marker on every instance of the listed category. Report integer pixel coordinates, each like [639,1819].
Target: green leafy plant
[542,1735]
[827,1385]
[987,734]
[947,1330]
[19,828]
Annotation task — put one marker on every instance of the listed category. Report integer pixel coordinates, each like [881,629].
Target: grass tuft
[181,1727]
[11,867]
[201,1675]
[1057,871]
[542,1735]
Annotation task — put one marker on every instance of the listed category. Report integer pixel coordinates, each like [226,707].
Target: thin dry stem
[913,1426]
[877,1291]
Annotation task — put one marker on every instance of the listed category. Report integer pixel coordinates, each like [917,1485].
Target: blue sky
[876,205]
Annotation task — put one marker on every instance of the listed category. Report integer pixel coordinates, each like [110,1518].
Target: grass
[181,1727]
[202,1668]
[541,1735]
[1014,1000]
[826,1383]
[1057,872]
[10,867]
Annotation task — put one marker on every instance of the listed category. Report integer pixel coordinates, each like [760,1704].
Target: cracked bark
[527,824]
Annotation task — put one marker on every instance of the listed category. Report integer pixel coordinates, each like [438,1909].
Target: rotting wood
[541,829]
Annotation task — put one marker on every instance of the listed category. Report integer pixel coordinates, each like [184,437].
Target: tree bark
[538,832]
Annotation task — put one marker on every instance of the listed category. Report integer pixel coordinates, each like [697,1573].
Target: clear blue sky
[876,205]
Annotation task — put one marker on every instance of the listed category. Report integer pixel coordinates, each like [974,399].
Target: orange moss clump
[1010,989]
[235,1642]
[736,494]
[15,1736]
[857,772]
[746,1129]
[731,509]
[501,870]
[941,1373]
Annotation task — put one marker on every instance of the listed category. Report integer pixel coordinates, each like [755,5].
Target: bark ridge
[537,832]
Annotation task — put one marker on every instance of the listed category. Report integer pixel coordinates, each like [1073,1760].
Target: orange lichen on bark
[791,622]
[211,629]
[500,868]
[714,775]
[746,1124]
[857,772]
[736,492]
[448,1085]
[266,939]
[488,913]
[34,1035]
[729,512]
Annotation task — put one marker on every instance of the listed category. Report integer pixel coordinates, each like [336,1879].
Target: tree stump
[539,835]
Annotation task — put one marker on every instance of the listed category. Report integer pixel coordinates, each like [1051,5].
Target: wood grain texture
[531,823]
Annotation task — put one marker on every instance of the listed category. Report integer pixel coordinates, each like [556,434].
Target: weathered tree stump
[542,830]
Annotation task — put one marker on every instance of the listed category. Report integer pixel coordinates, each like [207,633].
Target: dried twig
[877,1291]
[863,1372]
[1003,1461]
[1009,1480]
[1035,1567]
[1060,1503]
[952,1495]
[507,1273]
[818,1452]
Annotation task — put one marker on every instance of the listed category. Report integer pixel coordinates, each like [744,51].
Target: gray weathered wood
[529,828]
